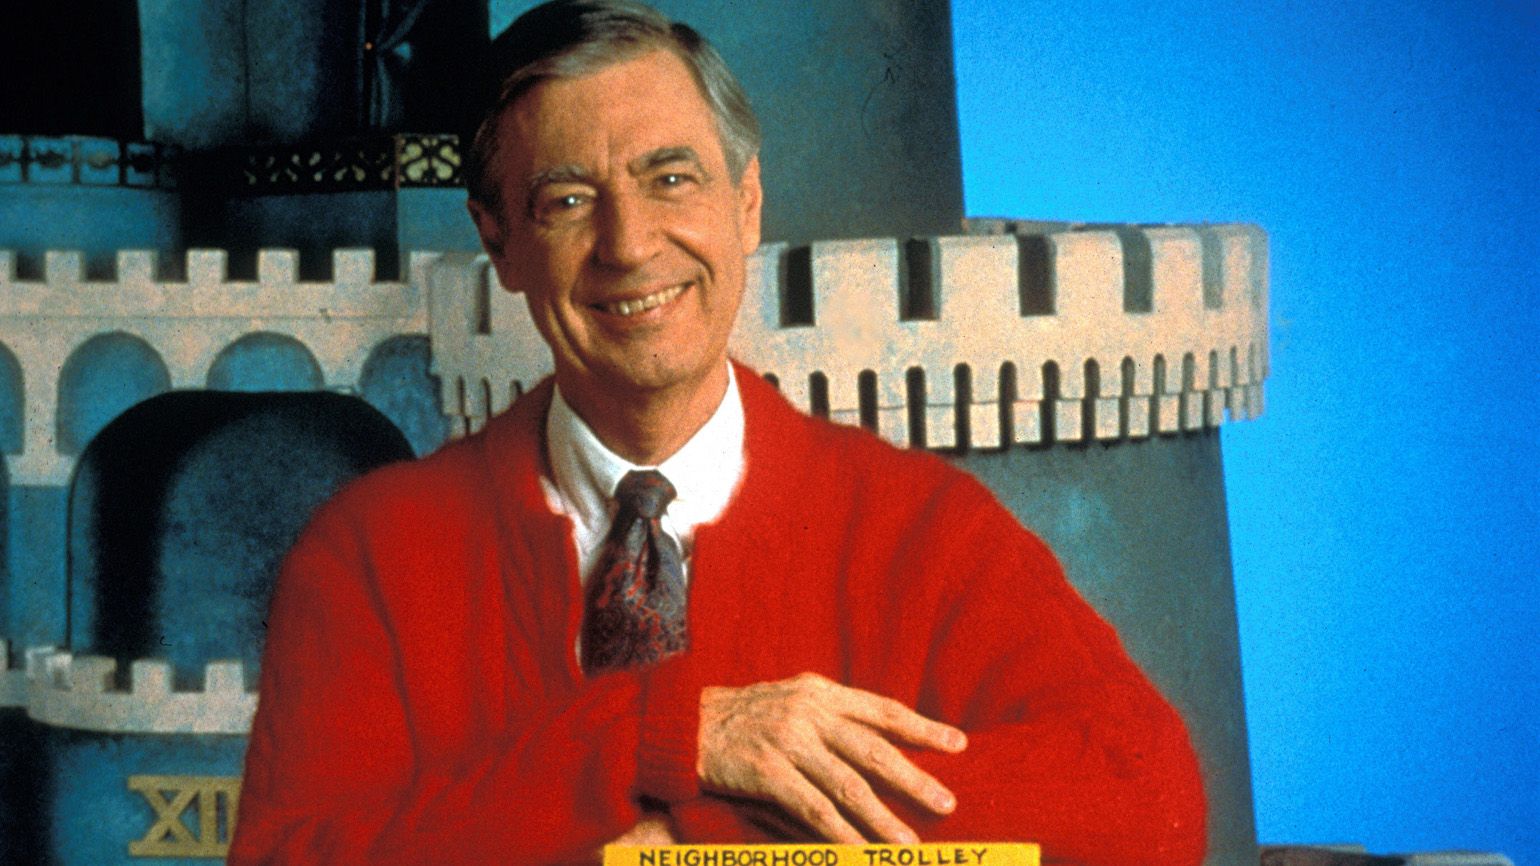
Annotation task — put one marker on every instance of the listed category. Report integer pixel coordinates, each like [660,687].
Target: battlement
[70,691]
[1024,332]
[138,287]
[1040,332]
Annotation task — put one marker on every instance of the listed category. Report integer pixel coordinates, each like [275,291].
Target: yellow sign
[930,854]
[171,797]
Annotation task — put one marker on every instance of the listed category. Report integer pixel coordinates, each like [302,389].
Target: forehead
[609,117]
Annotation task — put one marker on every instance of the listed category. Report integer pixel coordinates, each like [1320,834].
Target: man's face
[620,223]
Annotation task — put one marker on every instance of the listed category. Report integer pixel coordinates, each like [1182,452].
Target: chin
[647,375]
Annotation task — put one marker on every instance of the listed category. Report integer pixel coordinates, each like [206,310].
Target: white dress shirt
[704,472]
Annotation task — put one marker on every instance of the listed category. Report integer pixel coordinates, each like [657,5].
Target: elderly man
[652,602]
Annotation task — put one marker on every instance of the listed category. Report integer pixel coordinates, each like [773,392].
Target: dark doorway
[183,507]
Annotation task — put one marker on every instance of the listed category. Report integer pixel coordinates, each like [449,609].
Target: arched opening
[818,395]
[866,396]
[13,396]
[396,380]
[1129,371]
[1093,391]
[1048,410]
[962,388]
[102,377]
[182,508]
[914,398]
[1008,397]
[265,361]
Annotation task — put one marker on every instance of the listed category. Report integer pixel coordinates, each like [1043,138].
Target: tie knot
[645,491]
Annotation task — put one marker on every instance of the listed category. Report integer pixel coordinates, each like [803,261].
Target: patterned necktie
[636,595]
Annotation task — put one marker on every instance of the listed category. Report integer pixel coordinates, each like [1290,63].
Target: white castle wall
[1212,343]
[188,323]
[1215,356]
[1207,327]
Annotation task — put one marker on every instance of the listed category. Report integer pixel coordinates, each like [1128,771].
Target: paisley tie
[635,608]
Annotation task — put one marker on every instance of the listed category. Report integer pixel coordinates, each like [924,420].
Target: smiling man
[618,216]
[654,603]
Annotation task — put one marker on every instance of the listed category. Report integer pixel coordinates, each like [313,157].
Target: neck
[647,427]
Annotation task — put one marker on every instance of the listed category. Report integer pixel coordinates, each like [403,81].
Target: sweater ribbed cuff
[670,733]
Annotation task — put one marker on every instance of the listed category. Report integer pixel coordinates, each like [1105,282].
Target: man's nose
[629,232]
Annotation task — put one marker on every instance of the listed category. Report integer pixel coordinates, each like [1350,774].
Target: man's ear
[488,227]
[751,199]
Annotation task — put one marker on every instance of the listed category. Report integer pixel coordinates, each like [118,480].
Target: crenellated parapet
[65,690]
[1023,333]
[1037,332]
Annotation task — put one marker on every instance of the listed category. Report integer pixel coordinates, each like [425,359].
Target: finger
[849,791]
[890,716]
[875,757]
[804,801]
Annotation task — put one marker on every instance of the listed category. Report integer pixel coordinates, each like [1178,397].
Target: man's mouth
[636,306]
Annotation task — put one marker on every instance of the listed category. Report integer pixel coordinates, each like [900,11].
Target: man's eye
[560,207]
[674,180]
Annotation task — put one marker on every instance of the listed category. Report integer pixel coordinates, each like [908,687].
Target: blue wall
[1384,509]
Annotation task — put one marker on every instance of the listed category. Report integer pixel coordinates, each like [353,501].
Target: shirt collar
[704,472]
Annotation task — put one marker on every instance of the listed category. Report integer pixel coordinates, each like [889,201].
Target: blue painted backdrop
[1384,510]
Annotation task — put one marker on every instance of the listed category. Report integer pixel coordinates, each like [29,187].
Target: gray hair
[573,38]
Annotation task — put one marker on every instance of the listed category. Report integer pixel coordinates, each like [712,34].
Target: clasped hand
[814,748]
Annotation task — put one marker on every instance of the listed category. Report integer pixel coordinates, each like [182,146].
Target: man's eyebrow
[568,173]
[663,156]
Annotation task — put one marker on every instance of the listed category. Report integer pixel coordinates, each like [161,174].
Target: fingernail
[944,802]
[908,837]
[956,740]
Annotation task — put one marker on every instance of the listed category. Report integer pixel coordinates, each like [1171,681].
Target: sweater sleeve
[341,766]
[1069,745]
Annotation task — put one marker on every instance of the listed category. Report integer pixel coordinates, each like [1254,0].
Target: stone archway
[182,508]
[102,377]
[265,361]
[397,380]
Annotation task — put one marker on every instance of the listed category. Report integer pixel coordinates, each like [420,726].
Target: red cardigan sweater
[422,703]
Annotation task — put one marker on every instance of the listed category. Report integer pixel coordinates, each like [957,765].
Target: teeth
[641,305]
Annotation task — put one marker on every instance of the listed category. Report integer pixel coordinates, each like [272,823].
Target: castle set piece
[169,415]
